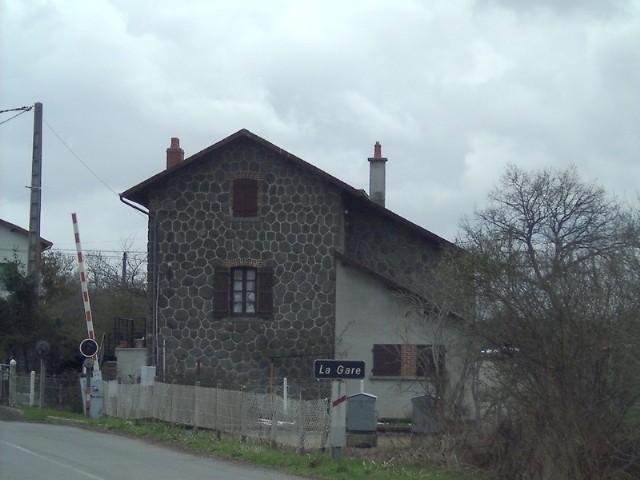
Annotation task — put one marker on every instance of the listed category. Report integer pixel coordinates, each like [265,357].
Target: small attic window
[245,197]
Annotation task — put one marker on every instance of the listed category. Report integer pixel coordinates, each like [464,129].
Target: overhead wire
[79,159]
[20,109]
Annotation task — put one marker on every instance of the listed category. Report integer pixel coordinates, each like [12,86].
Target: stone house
[260,263]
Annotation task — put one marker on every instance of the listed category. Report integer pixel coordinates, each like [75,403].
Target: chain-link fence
[302,424]
[61,392]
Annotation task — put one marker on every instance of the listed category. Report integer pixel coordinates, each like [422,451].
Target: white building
[14,246]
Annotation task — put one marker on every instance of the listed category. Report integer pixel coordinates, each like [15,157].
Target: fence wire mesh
[273,417]
[302,424]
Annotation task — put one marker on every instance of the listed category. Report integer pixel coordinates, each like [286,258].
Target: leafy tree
[555,271]
[19,315]
[58,314]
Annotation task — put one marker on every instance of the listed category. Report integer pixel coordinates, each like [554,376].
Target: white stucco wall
[368,313]
[13,245]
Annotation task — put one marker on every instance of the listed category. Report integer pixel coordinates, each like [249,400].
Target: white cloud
[453,90]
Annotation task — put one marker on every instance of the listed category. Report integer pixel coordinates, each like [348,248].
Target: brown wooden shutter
[386,360]
[245,197]
[265,291]
[221,285]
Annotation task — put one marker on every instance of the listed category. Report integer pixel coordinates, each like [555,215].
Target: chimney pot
[175,154]
[377,150]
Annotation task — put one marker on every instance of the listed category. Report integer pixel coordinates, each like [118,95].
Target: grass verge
[205,442]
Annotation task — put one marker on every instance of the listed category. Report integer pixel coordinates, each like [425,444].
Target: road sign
[338,369]
[88,347]
[42,348]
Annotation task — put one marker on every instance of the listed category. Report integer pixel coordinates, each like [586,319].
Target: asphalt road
[35,451]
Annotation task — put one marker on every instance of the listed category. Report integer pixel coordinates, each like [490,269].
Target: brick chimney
[377,175]
[175,155]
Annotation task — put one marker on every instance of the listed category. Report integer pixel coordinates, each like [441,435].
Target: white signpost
[336,371]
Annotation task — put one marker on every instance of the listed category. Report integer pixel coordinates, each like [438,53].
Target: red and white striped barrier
[85,290]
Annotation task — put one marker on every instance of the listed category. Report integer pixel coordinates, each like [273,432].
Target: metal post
[338,419]
[32,388]
[12,382]
[285,397]
[43,369]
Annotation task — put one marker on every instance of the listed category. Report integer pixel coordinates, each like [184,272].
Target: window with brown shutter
[221,282]
[386,360]
[242,291]
[245,197]
[265,291]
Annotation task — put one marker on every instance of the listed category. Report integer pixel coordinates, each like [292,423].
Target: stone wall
[390,248]
[300,223]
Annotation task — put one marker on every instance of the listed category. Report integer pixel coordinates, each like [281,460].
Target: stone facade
[300,222]
[305,218]
[395,250]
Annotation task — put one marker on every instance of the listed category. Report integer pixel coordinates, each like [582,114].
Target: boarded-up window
[418,360]
[245,197]
[386,360]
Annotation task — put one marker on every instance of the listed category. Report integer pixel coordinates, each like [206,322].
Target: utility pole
[124,269]
[35,247]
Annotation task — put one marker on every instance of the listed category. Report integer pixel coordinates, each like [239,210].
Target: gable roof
[140,193]
[45,244]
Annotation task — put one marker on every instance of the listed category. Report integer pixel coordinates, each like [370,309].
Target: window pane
[244,290]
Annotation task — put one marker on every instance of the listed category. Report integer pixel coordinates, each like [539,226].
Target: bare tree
[555,269]
[443,316]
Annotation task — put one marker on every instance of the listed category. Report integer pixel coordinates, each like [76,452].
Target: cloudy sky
[453,90]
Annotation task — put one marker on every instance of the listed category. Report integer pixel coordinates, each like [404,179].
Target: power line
[79,159]
[20,109]
[135,252]
[26,109]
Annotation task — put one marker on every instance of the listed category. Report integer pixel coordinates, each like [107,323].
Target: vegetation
[545,289]
[57,314]
[554,265]
[204,442]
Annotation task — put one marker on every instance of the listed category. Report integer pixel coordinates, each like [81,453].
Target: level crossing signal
[88,347]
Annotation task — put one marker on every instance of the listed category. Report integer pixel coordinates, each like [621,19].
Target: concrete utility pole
[35,247]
